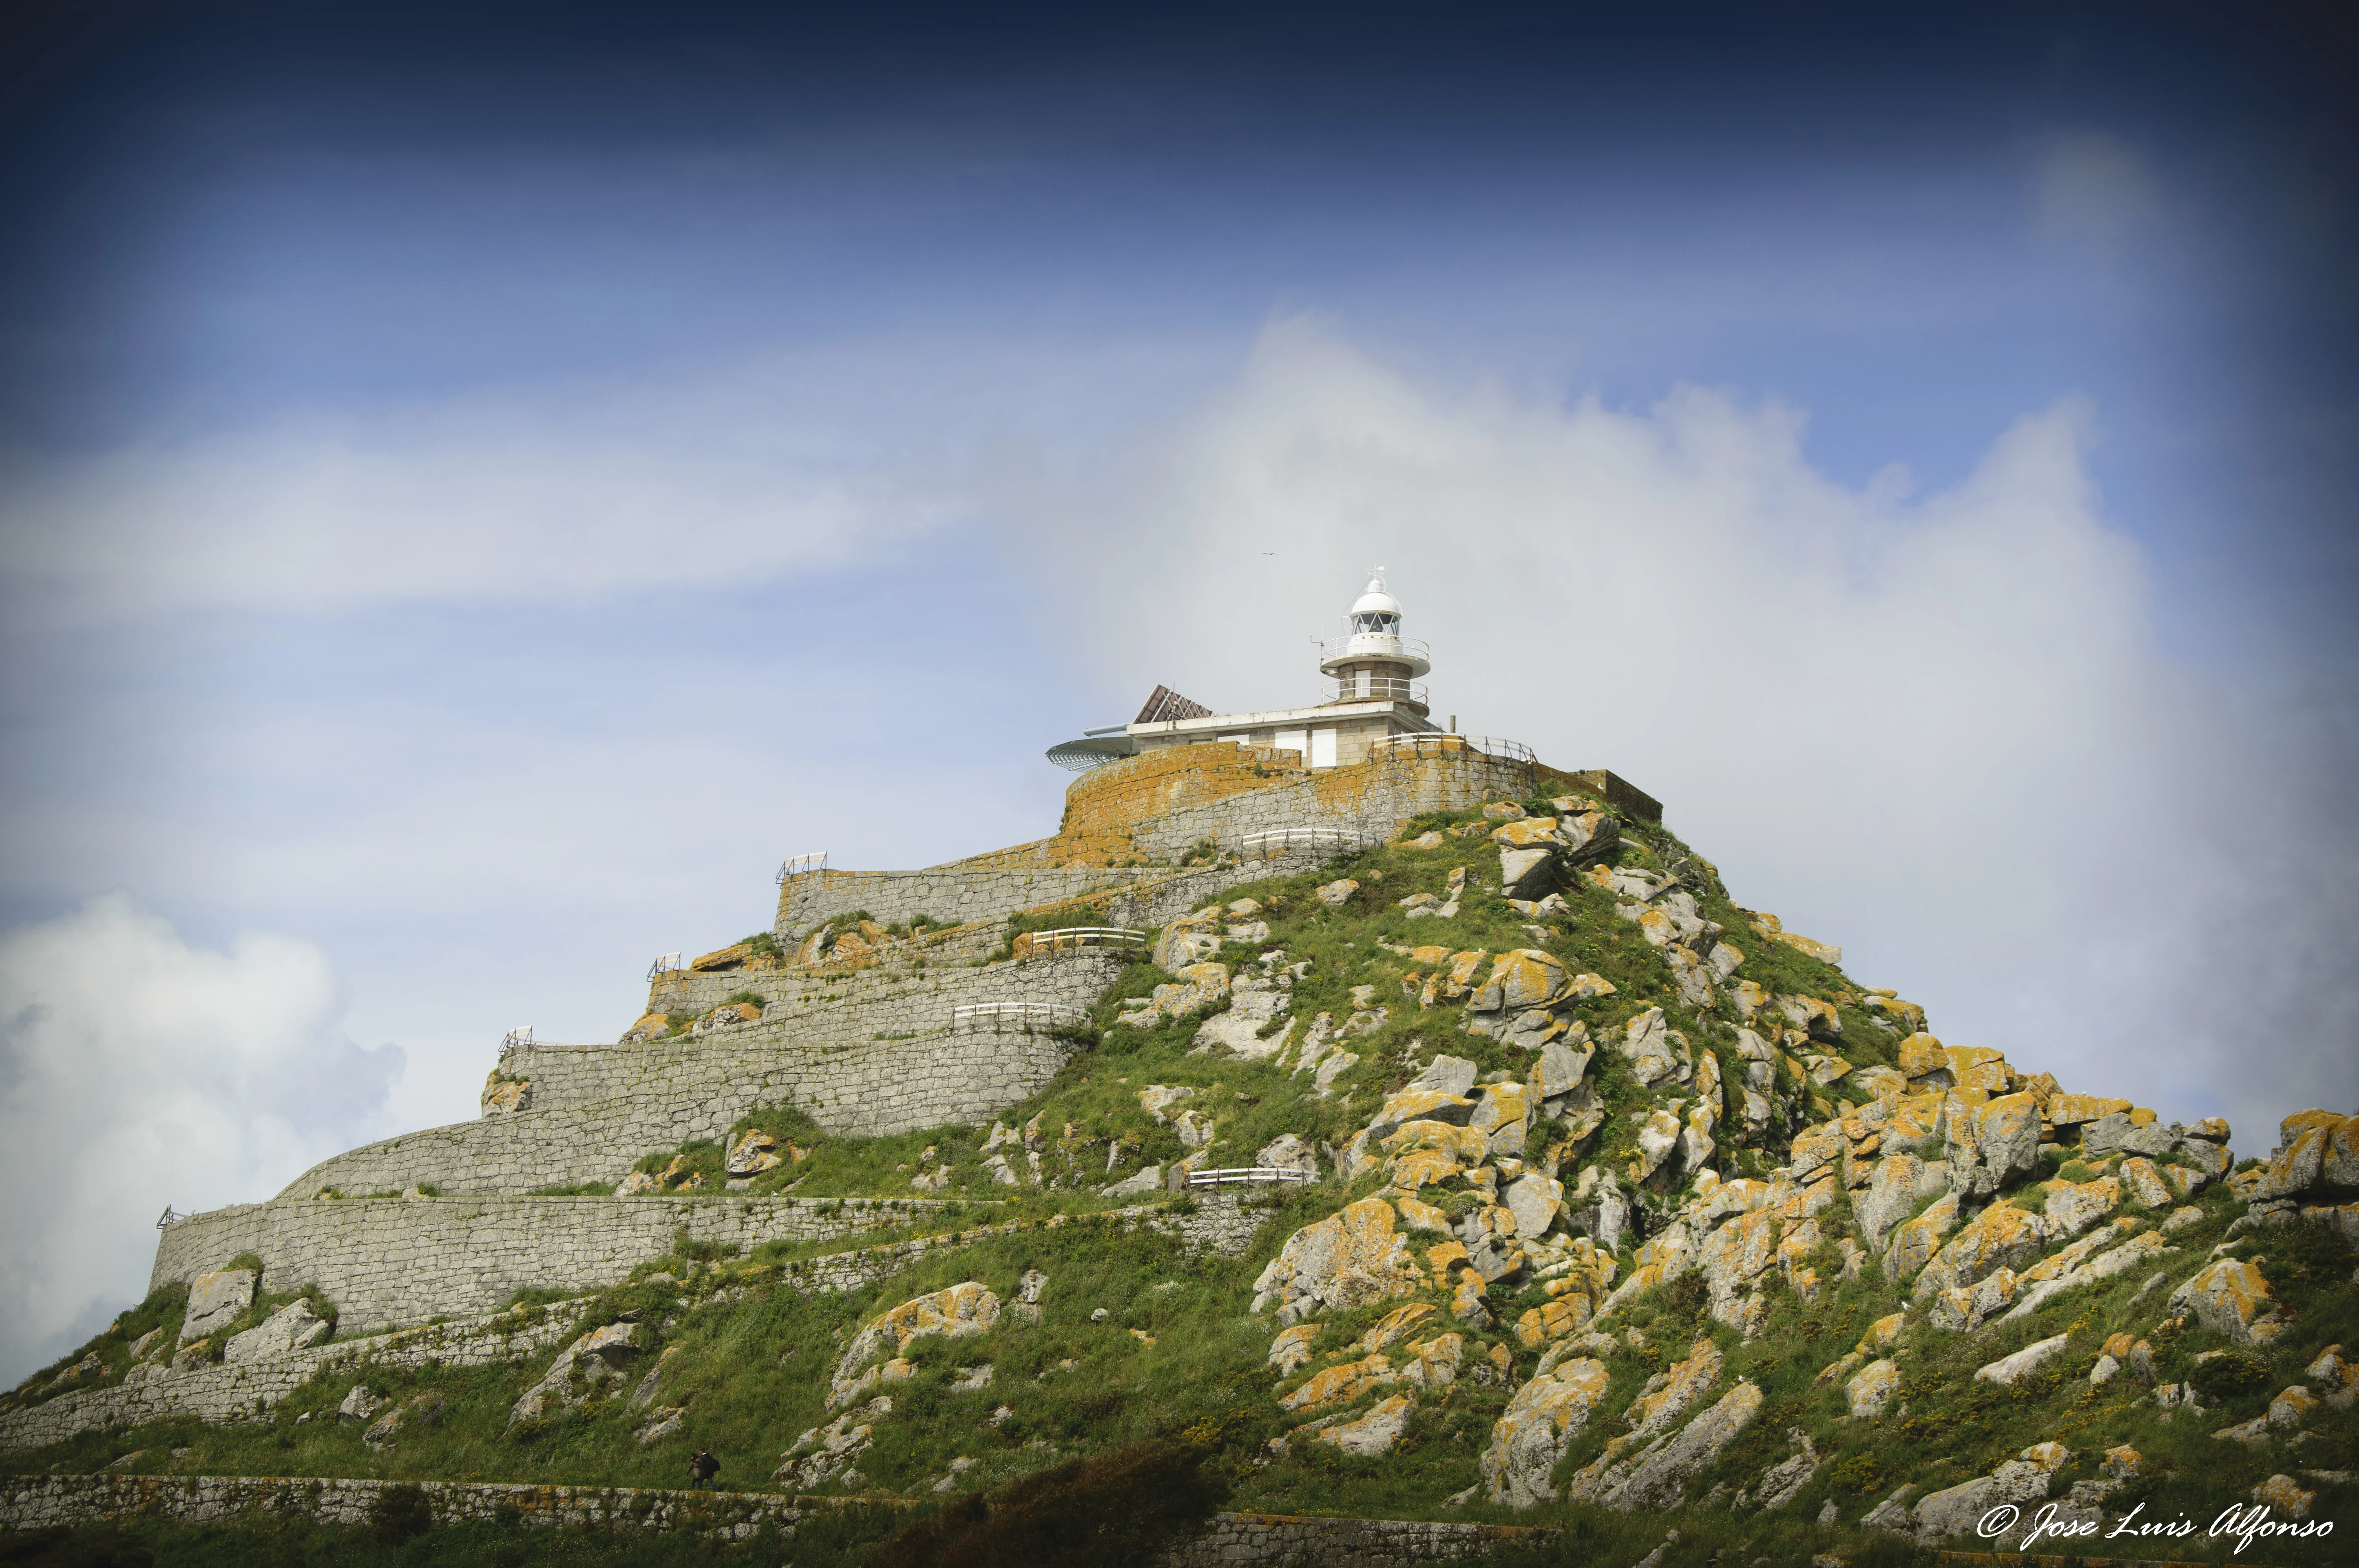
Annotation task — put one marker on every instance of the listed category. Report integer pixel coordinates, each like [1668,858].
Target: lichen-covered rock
[1351,1259]
[2232,1300]
[2002,1235]
[1290,1351]
[419,1410]
[2073,1207]
[1658,1477]
[2008,1369]
[1374,1433]
[1244,1031]
[752,1153]
[1890,1193]
[964,1309]
[1653,1050]
[1337,894]
[1531,1435]
[1872,1388]
[1194,986]
[1957,1510]
[1340,1384]
[2316,1149]
[1783,1481]
[583,1366]
[2145,1184]
[2284,1498]
[826,1454]
[1534,1199]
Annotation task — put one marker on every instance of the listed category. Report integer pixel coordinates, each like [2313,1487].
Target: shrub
[762,944]
[399,1514]
[1114,1509]
[2226,1376]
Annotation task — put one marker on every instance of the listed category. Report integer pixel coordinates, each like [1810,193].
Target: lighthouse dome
[1375,601]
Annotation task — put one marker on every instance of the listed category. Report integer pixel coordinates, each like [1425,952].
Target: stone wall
[847,1007]
[32,1502]
[1301,1540]
[593,1110]
[246,1391]
[1375,798]
[955,894]
[386,1261]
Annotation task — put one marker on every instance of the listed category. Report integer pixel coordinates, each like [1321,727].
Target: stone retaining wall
[31,1502]
[246,1391]
[659,1095]
[1302,1541]
[852,1007]
[387,1261]
[955,894]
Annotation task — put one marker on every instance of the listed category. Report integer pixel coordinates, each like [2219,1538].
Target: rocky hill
[1478,1167]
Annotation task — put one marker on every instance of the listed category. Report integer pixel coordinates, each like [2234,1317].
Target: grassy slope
[752,1370]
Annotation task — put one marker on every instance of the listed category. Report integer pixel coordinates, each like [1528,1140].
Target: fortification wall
[385,1261]
[246,1390]
[957,894]
[1375,798]
[869,1090]
[816,1009]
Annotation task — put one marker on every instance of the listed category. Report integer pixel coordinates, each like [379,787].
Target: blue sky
[482,485]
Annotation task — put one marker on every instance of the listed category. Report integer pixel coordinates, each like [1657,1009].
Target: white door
[1298,740]
[1361,683]
[1322,748]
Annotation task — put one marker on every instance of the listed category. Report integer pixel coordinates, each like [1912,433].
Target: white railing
[665,964]
[1026,1016]
[1279,840]
[1251,1175]
[1443,745]
[1375,645]
[1072,938]
[798,865]
[1379,688]
[520,1035]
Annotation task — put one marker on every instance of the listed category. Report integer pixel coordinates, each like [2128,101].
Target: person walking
[702,1469]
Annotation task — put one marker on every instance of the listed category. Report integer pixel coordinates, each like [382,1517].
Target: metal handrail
[1424,745]
[1249,1175]
[1024,1013]
[169,1218]
[800,865]
[520,1035]
[1381,688]
[1279,840]
[1340,648]
[665,964]
[1086,936]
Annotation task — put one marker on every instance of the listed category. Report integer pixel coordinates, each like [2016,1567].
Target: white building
[1375,692]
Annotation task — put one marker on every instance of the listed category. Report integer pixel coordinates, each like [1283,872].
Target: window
[1293,741]
[1322,748]
[1360,681]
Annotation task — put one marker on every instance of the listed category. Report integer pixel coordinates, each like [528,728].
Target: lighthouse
[1371,660]
[1372,691]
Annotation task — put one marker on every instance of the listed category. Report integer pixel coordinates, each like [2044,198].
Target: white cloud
[1937,732]
[137,1071]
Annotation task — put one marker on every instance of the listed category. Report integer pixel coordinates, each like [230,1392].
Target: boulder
[216,1301]
[2145,1184]
[583,1368]
[292,1327]
[1657,1478]
[1254,1004]
[2002,1235]
[827,1452]
[2073,1207]
[1872,1388]
[1352,1258]
[1191,939]
[753,1151]
[359,1406]
[1290,1351]
[1288,1152]
[1372,1433]
[1449,1075]
[1783,1481]
[419,1410]
[1653,1050]
[2231,1299]
[1531,1435]
[1527,874]
[1534,1199]
[1957,1510]
[1337,894]
[954,1313]
[1914,1244]
[1888,1197]
[2007,1370]
[1692,976]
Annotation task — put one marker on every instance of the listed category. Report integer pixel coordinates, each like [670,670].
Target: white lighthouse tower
[1372,661]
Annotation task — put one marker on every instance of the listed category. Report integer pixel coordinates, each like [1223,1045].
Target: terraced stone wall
[686,1091]
[386,1262]
[845,1007]
[957,894]
[1375,798]
[246,1390]
[1302,1540]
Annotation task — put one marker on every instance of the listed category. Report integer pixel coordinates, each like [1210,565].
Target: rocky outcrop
[583,1368]
[292,1327]
[954,1313]
[1539,1422]
[216,1301]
